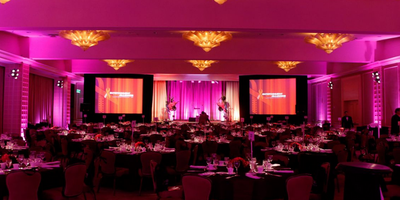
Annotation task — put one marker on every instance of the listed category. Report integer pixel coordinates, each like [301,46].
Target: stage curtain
[1,98]
[40,99]
[195,97]
[159,99]
[232,97]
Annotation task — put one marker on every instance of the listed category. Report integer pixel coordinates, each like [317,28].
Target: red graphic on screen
[273,96]
[119,95]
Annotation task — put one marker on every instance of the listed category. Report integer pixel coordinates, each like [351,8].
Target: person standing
[347,121]
[395,122]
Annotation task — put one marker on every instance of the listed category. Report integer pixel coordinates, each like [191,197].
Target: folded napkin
[207,174]
[284,171]
[253,176]
[326,151]
[198,167]
[52,163]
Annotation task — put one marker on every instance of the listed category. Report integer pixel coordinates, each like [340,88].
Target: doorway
[353,110]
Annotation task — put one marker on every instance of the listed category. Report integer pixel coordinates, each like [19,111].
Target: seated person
[203,119]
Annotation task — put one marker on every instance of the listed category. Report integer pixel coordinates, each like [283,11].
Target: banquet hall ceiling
[150,32]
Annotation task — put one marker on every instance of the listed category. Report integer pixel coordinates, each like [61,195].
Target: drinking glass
[236,164]
[208,160]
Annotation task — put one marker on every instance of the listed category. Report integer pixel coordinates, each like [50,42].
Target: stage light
[60,83]
[192,81]
[180,81]
[199,81]
[330,85]
[15,73]
[212,82]
[376,77]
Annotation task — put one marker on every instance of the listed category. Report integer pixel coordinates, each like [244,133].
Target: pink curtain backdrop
[232,96]
[40,99]
[1,97]
[203,95]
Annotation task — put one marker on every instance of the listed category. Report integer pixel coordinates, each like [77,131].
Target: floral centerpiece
[5,158]
[171,104]
[244,166]
[297,146]
[243,161]
[139,144]
[223,106]
[98,137]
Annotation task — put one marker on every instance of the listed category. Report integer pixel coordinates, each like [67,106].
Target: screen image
[273,96]
[118,95]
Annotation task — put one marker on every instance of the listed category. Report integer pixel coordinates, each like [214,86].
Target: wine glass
[208,160]
[236,164]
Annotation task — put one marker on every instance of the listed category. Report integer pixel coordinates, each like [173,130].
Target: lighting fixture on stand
[376,76]
[202,64]
[330,85]
[116,64]
[84,38]
[60,83]
[207,39]
[15,73]
[329,41]
[287,65]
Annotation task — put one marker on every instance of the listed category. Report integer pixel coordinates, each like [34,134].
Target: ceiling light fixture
[116,64]
[84,38]
[207,39]
[4,1]
[287,65]
[202,64]
[329,41]
[220,2]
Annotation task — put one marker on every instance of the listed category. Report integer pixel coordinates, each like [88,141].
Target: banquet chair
[382,150]
[331,144]
[107,168]
[154,138]
[299,187]
[171,192]
[74,184]
[235,148]
[396,155]
[29,181]
[280,159]
[195,150]
[242,188]
[196,187]
[209,147]
[338,147]
[145,171]
[182,161]
[326,167]
[341,157]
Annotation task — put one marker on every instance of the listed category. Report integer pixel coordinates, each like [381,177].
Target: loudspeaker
[85,107]
[192,119]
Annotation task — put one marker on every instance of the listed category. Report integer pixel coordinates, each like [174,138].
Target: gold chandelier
[4,1]
[220,2]
[287,65]
[116,64]
[85,38]
[329,41]
[202,64]
[207,39]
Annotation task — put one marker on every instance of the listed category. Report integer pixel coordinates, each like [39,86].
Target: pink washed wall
[291,15]
[391,92]
[14,44]
[176,48]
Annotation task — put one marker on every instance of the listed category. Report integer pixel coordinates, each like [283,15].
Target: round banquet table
[226,187]
[363,180]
